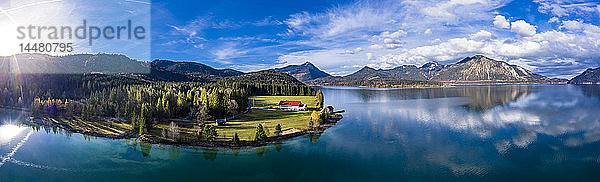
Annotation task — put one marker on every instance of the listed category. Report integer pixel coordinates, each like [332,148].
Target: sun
[9,131]
[25,13]
[8,34]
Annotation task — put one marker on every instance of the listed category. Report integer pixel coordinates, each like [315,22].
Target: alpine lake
[470,133]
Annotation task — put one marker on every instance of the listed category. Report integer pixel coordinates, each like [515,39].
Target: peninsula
[162,102]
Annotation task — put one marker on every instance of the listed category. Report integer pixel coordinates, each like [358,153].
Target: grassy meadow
[273,101]
[245,126]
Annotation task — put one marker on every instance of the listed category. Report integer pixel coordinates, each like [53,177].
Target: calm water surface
[491,133]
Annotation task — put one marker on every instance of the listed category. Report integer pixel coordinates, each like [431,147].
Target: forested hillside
[195,69]
[267,83]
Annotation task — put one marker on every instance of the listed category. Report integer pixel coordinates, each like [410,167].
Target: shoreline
[241,144]
[131,134]
[444,86]
[125,135]
[22,109]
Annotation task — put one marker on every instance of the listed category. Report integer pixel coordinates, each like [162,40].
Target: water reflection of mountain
[486,129]
[484,98]
[481,98]
[590,90]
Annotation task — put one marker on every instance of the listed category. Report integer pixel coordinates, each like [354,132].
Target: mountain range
[589,76]
[163,70]
[483,69]
[77,63]
[471,70]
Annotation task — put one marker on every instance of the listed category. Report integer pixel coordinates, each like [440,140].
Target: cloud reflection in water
[469,130]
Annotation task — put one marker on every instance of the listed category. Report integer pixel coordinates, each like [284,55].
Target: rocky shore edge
[124,135]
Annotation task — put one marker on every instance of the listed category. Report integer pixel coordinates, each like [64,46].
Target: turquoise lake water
[475,133]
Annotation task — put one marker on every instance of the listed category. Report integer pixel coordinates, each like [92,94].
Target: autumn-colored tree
[319,99]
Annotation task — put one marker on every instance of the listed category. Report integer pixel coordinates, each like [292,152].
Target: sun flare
[9,131]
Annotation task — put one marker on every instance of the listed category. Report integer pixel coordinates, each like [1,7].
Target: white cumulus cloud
[522,28]
[482,35]
[572,25]
[375,46]
[501,22]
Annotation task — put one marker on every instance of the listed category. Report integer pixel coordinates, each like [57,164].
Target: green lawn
[246,126]
[273,101]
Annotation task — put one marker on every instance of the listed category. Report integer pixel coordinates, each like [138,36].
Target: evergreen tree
[278,130]
[260,134]
[145,119]
[182,104]
[210,132]
[159,108]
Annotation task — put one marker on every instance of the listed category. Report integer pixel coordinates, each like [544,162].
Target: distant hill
[84,64]
[263,77]
[431,68]
[402,76]
[267,82]
[407,72]
[303,72]
[375,83]
[162,70]
[404,72]
[193,68]
[160,74]
[589,76]
[78,63]
[558,81]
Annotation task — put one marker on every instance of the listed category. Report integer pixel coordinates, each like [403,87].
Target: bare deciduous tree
[232,107]
[173,131]
[202,115]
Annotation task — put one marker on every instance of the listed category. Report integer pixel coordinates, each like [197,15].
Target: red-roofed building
[291,105]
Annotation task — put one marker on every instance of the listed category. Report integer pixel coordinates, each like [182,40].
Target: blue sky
[556,38]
